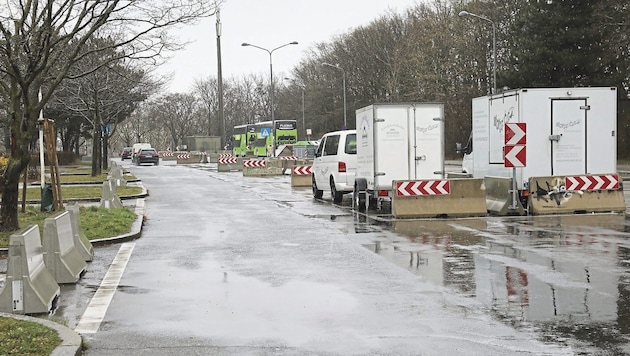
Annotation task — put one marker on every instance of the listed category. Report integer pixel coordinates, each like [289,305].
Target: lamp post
[494,46]
[343,72]
[303,116]
[273,119]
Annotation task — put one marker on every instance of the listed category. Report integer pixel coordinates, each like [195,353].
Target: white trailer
[396,141]
[570,131]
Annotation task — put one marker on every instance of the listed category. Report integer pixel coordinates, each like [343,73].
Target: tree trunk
[9,210]
[96,151]
[105,149]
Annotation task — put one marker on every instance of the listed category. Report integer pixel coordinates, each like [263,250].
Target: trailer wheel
[336,196]
[317,194]
[359,199]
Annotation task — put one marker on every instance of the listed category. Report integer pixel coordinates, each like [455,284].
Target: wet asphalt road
[234,265]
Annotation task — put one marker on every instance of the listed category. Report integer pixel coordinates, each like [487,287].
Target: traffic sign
[515,149]
[265,131]
[515,133]
[515,156]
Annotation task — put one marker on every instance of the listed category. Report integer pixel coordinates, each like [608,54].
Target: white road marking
[95,312]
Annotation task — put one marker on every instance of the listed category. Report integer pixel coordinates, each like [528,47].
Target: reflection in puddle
[568,276]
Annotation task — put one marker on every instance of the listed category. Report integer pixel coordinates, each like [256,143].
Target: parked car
[147,155]
[126,153]
[335,164]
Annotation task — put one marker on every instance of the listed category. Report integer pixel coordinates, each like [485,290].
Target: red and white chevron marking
[288,158]
[183,156]
[302,170]
[227,160]
[225,155]
[423,187]
[254,163]
[595,182]
[166,154]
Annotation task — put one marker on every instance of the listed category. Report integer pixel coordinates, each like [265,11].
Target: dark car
[126,153]
[147,155]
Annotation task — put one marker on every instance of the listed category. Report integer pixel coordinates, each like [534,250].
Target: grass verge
[80,192]
[95,222]
[21,337]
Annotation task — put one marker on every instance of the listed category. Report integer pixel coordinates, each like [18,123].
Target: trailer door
[568,136]
[428,139]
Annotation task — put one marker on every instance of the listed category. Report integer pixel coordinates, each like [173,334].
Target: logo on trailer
[598,182]
[423,187]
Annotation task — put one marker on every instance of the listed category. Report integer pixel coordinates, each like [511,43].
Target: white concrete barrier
[109,198]
[61,256]
[80,240]
[29,287]
[116,173]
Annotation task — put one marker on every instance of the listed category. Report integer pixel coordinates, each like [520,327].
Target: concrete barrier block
[551,195]
[262,167]
[116,173]
[465,197]
[61,255]
[167,156]
[109,197]
[29,288]
[229,164]
[499,197]
[301,176]
[80,240]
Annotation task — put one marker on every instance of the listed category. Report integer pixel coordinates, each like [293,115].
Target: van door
[568,136]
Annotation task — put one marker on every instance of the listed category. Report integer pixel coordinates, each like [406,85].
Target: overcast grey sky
[268,24]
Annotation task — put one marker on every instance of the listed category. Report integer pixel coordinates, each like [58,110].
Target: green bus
[243,140]
[286,134]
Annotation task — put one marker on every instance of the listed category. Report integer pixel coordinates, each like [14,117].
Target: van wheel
[317,194]
[336,196]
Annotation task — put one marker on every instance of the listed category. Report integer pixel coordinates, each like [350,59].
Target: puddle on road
[566,276]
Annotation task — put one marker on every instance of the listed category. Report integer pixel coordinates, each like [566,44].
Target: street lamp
[303,121]
[343,72]
[494,46]
[273,119]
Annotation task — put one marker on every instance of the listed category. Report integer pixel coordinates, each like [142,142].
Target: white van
[137,147]
[335,164]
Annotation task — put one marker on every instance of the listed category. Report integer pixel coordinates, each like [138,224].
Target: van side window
[351,144]
[320,148]
[331,145]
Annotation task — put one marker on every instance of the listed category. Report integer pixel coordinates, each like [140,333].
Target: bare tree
[43,40]
[179,114]
[104,98]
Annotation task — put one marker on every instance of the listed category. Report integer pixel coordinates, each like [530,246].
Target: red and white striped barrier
[184,156]
[423,187]
[302,170]
[227,160]
[254,163]
[594,182]
[225,155]
[288,158]
[166,154]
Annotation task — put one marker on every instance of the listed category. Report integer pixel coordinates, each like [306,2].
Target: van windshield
[351,144]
